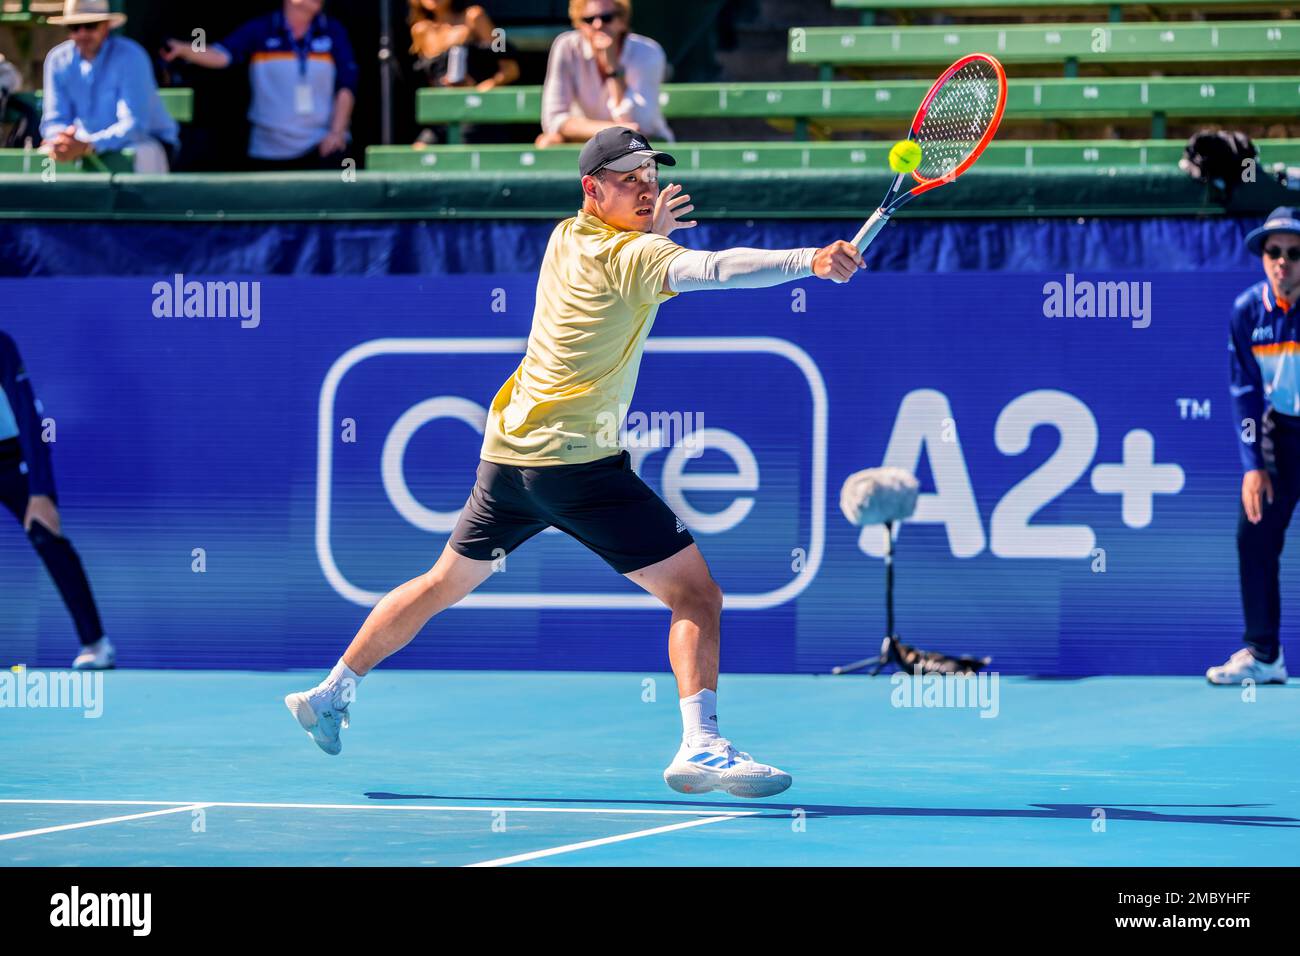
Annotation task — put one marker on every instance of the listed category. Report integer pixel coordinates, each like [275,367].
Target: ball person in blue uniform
[27,490]
[1265,366]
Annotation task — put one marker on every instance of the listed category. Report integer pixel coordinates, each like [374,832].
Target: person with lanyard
[601,75]
[27,490]
[304,81]
[100,95]
[1264,346]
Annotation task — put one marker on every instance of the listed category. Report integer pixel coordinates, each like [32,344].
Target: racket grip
[870,229]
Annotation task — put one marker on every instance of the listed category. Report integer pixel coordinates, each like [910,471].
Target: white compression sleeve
[741,268]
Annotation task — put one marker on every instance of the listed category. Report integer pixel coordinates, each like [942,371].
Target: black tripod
[894,651]
[885,656]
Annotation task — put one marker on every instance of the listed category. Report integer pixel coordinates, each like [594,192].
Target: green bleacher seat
[720,157]
[178,101]
[1067,43]
[32,161]
[1114,8]
[887,103]
[534,39]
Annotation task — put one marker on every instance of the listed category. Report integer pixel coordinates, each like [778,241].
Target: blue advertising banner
[242,486]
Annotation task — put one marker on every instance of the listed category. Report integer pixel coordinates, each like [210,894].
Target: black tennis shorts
[603,504]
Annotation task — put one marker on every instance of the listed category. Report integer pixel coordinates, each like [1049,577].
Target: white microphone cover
[878,495]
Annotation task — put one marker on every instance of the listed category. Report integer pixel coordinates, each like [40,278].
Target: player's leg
[400,613]
[685,586]
[495,520]
[606,506]
[705,760]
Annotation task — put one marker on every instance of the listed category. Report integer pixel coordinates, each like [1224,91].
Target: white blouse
[574,86]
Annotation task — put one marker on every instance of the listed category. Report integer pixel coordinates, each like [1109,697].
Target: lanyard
[301,50]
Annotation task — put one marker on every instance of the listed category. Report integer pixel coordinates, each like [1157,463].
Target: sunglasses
[1276,252]
[78,27]
[607,17]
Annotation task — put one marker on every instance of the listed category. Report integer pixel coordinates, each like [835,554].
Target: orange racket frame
[897,195]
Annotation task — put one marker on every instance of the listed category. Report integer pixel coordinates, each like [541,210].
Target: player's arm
[744,268]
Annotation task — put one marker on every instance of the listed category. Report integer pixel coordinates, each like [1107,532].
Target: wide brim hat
[1281,219]
[88,11]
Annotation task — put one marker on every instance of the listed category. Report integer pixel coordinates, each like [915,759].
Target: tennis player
[546,460]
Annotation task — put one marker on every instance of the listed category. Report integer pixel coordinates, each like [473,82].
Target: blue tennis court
[564,769]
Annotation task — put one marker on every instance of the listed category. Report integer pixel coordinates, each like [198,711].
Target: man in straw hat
[100,95]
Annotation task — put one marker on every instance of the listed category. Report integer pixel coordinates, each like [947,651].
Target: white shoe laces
[725,747]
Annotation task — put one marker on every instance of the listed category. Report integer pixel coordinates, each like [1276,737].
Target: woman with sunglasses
[601,75]
[1265,350]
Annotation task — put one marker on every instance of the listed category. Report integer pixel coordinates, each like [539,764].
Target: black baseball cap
[620,149]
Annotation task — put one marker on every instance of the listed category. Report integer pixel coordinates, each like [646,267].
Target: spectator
[601,75]
[26,120]
[27,490]
[100,95]
[304,81]
[456,44]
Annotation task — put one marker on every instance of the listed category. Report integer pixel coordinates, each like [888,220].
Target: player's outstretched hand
[669,207]
[838,261]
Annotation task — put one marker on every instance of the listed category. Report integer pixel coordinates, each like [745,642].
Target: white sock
[341,684]
[700,716]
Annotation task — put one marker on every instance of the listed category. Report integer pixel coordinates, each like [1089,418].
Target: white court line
[587,844]
[367,806]
[98,823]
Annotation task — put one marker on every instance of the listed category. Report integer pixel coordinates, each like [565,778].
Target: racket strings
[960,113]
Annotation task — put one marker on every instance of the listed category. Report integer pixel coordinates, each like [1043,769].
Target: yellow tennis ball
[905,156]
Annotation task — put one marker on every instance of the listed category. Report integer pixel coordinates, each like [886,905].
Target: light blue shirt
[112,101]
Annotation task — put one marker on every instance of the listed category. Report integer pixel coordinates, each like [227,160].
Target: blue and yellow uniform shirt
[1265,363]
[294,81]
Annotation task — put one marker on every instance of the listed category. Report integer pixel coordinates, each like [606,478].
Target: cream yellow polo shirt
[597,295]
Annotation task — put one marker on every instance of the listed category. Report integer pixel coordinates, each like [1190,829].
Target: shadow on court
[1036,811]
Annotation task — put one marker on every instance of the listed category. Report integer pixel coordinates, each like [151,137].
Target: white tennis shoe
[319,715]
[1243,666]
[99,656]
[714,764]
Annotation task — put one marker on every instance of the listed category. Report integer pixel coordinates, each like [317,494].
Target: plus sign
[1138,479]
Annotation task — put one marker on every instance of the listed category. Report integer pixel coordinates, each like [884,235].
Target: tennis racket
[954,123]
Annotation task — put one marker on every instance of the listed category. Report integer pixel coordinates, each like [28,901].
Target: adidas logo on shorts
[680,527]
